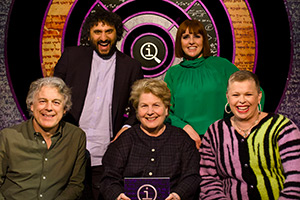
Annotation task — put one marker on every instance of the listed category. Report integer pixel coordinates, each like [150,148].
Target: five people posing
[249,155]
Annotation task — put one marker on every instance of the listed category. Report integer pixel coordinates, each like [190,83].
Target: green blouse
[198,89]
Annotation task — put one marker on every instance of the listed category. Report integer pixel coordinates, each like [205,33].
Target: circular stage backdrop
[244,31]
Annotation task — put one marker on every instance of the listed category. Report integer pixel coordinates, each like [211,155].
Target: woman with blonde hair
[253,154]
[152,148]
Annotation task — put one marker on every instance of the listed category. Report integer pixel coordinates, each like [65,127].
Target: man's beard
[106,55]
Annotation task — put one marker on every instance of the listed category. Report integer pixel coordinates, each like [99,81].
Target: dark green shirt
[29,170]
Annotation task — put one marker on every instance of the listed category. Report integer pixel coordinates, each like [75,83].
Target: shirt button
[152,159]
[246,165]
[43,142]
[46,159]
[251,186]
[242,140]
[153,150]
[150,173]
[41,195]
[44,177]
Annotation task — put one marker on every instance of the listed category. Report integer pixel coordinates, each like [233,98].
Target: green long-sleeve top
[198,89]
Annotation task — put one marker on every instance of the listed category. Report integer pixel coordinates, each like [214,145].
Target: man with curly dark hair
[100,77]
[98,15]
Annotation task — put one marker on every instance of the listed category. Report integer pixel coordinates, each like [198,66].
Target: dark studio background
[276,54]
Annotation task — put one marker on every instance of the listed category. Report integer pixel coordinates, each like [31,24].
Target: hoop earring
[228,112]
[259,108]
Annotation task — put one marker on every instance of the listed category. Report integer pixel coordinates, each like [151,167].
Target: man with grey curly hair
[50,82]
[43,157]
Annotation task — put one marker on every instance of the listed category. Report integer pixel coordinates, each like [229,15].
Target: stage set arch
[255,36]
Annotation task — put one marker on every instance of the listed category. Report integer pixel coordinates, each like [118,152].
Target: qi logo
[147,192]
[150,50]
[146,52]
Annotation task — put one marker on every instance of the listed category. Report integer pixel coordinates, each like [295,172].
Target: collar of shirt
[99,59]
[54,138]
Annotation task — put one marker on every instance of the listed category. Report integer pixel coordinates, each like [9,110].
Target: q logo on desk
[145,188]
[148,191]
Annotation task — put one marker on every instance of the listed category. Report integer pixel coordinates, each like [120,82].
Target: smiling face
[152,113]
[243,98]
[47,109]
[192,44]
[103,38]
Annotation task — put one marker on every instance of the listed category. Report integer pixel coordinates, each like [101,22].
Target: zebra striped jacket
[265,165]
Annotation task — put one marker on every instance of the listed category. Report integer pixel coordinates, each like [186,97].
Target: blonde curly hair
[156,87]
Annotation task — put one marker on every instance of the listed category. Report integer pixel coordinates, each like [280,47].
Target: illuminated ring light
[244,44]
[243,33]
[230,37]
[137,23]
[159,23]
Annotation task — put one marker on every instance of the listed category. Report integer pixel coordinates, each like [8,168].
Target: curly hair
[156,87]
[98,14]
[54,82]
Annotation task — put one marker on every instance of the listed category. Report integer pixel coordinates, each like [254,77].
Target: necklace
[245,132]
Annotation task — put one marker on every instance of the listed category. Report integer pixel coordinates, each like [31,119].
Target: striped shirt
[265,165]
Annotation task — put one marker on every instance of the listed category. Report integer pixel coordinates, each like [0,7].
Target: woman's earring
[259,108]
[228,112]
